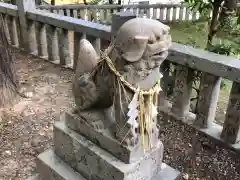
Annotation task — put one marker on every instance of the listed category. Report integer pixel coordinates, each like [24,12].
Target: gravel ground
[26,129]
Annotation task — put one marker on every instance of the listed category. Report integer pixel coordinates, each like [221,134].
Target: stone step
[51,167]
[93,162]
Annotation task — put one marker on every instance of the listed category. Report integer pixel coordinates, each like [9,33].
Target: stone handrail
[46,36]
[103,13]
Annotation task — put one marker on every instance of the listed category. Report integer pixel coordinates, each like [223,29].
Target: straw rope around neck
[145,115]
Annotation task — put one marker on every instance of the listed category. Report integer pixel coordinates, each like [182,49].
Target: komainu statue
[126,77]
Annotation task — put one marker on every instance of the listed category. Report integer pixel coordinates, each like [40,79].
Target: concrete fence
[103,13]
[45,34]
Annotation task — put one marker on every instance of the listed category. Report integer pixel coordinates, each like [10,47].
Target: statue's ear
[135,50]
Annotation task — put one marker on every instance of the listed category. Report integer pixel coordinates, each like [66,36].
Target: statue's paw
[129,139]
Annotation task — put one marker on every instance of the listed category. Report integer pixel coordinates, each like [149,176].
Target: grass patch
[192,34]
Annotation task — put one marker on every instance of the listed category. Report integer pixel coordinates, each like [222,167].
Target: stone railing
[46,35]
[103,13]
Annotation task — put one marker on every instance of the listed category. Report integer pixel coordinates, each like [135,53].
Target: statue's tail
[87,60]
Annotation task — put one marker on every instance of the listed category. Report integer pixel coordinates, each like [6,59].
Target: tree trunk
[119,3]
[8,78]
[111,2]
[85,2]
[217,6]
[13,2]
[52,2]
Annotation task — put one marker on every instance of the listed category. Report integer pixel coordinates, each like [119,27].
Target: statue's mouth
[159,55]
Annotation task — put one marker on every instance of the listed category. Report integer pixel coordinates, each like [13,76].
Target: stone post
[118,19]
[27,26]
[207,100]
[231,128]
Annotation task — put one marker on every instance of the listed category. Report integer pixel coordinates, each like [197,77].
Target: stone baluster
[162,14]
[6,28]
[63,47]
[105,16]
[182,90]
[77,38]
[168,18]
[164,69]
[187,15]
[52,43]
[207,100]
[174,17]
[148,14]
[155,13]
[231,128]
[20,40]
[13,31]
[41,40]
[27,26]
[101,18]
[181,13]
[68,12]
[89,14]
[55,11]
[75,13]
[95,18]
[135,11]
[79,14]
[108,16]
[194,15]
[141,12]
[61,12]
[82,14]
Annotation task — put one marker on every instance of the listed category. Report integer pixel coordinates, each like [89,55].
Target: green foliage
[204,7]
[94,2]
[6,1]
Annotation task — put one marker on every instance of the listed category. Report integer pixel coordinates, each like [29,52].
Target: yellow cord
[145,118]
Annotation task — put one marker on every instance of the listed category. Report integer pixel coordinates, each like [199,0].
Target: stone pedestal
[82,153]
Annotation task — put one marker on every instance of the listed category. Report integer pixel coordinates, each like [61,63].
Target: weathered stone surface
[133,65]
[105,139]
[95,163]
[168,173]
[51,167]
[207,100]
[231,127]
[182,90]
[34,177]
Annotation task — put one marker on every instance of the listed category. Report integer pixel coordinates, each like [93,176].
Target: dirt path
[26,129]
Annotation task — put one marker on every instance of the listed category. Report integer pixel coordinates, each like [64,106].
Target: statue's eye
[157,38]
[150,41]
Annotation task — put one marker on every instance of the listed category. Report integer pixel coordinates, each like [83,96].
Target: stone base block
[51,167]
[94,163]
[105,139]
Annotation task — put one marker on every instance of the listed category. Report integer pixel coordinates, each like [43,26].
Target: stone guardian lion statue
[140,47]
